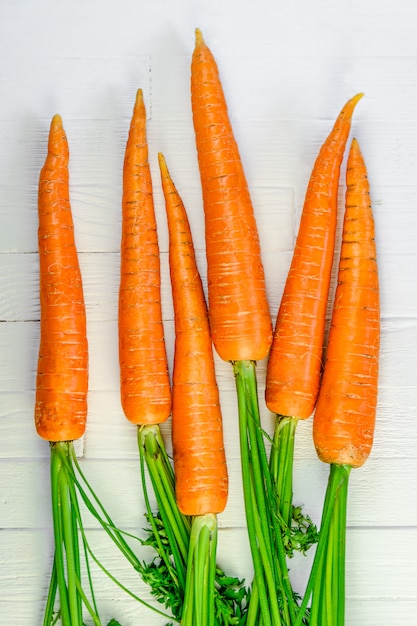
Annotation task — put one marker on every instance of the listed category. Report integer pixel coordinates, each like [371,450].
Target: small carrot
[238,307]
[240,320]
[295,361]
[197,432]
[344,419]
[62,375]
[144,379]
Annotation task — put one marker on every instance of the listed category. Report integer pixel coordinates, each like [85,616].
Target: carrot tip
[162,164]
[199,41]
[56,121]
[139,96]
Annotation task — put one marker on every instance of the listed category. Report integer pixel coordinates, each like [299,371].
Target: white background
[287,68]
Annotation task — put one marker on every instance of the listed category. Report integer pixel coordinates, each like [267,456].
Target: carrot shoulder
[344,420]
[144,378]
[238,308]
[295,361]
[197,434]
[62,374]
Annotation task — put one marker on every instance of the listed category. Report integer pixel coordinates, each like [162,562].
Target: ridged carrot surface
[344,420]
[295,360]
[197,432]
[144,379]
[239,314]
[62,374]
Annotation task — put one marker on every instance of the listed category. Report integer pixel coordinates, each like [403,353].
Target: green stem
[271,575]
[198,609]
[50,601]
[67,522]
[59,564]
[318,583]
[69,535]
[177,525]
[281,464]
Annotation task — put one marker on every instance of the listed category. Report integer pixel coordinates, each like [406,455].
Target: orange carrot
[295,361]
[344,419]
[238,308]
[197,434]
[240,321]
[62,375]
[345,414]
[144,379]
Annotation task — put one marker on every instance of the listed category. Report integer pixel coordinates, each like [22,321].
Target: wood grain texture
[287,68]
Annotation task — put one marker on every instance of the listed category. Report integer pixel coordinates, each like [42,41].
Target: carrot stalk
[197,434]
[344,419]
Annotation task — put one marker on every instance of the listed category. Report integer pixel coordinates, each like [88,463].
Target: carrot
[197,432]
[199,457]
[144,379]
[238,307]
[62,375]
[240,320]
[344,419]
[295,361]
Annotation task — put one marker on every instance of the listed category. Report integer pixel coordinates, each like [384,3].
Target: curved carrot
[144,379]
[238,308]
[62,374]
[345,414]
[197,433]
[295,361]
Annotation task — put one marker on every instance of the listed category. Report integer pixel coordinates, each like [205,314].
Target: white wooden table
[287,68]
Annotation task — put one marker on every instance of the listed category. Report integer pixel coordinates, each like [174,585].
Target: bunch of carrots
[335,381]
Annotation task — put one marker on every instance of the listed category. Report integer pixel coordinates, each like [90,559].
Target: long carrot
[144,379]
[295,361]
[197,432]
[62,376]
[239,317]
[238,307]
[344,419]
